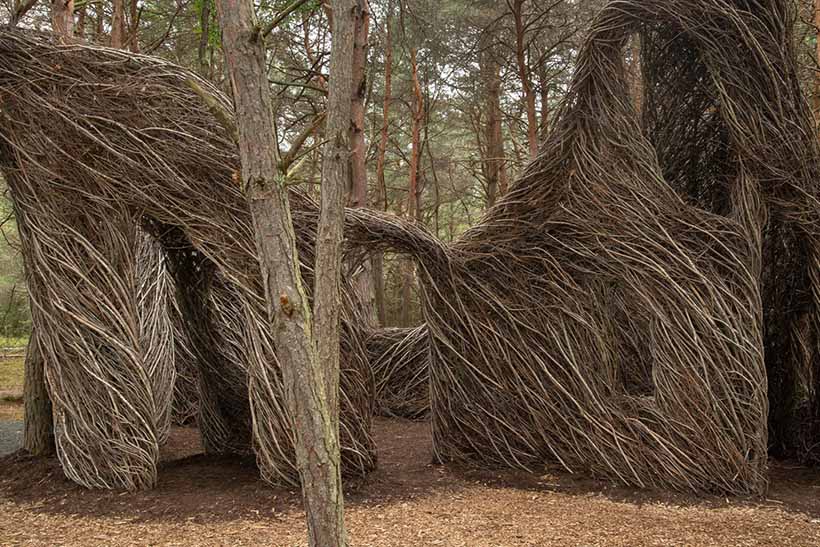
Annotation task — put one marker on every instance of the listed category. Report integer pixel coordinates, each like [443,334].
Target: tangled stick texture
[606,315]
[100,147]
[595,319]
[734,136]
[400,359]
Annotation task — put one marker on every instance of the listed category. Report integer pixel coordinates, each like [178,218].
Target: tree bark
[62,19]
[524,75]
[381,189]
[118,25]
[38,429]
[494,160]
[80,27]
[358,160]
[309,370]
[134,31]
[413,197]
[204,37]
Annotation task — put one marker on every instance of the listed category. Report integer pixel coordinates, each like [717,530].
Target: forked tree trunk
[38,429]
[309,365]
[381,188]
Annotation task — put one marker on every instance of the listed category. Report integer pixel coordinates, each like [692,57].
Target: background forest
[455,96]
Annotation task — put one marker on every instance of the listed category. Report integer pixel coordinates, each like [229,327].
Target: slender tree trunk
[413,209]
[118,25]
[98,23]
[204,37]
[358,160]
[378,259]
[494,161]
[309,366]
[525,76]
[80,28]
[38,432]
[544,88]
[134,31]
[62,19]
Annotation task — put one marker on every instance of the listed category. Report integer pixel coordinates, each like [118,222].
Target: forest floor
[207,501]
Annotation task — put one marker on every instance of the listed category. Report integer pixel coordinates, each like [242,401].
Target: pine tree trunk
[134,32]
[525,77]
[309,365]
[494,160]
[413,198]
[381,188]
[358,161]
[62,19]
[38,429]
[118,25]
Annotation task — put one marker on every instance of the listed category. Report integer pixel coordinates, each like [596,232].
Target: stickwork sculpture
[100,146]
[607,315]
[400,359]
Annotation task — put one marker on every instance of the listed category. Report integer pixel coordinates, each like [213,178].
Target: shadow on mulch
[200,488]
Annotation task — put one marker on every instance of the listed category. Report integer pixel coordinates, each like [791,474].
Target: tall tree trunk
[80,28]
[381,190]
[524,75]
[134,30]
[544,88]
[38,429]
[204,38]
[62,19]
[98,23]
[413,197]
[494,161]
[358,160]
[118,25]
[309,366]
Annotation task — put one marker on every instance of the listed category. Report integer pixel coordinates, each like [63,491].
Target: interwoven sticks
[744,145]
[595,320]
[400,359]
[98,144]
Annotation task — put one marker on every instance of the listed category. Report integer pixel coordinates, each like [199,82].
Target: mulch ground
[205,501]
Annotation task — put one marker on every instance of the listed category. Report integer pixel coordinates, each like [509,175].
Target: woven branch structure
[400,359]
[123,186]
[616,313]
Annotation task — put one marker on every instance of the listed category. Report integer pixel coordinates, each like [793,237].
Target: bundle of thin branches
[97,145]
[596,320]
[155,291]
[744,145]
[400,359]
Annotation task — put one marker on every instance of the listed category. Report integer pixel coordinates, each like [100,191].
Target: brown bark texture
[309,373]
